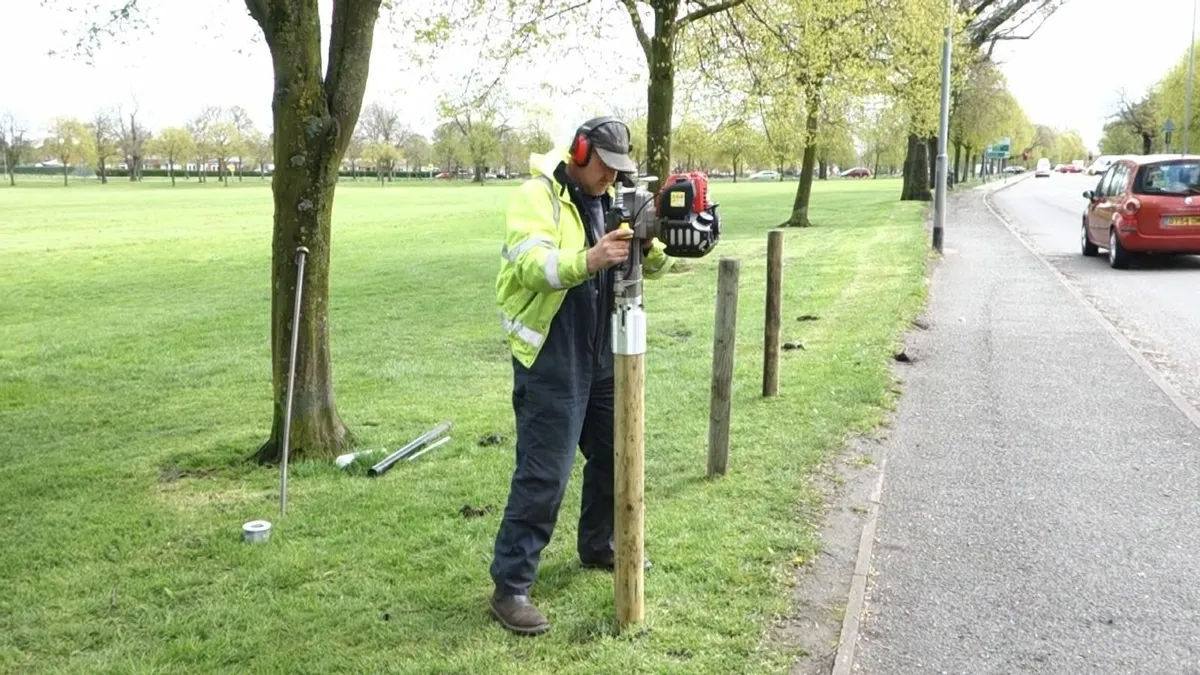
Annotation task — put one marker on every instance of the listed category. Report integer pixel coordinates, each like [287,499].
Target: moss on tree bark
[313,121]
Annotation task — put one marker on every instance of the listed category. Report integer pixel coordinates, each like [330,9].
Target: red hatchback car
[1144,205]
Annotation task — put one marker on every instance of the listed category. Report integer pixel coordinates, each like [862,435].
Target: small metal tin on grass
[256,531]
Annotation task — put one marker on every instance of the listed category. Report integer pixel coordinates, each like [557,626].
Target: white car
[1043,168]
[1102,163]
[763,175]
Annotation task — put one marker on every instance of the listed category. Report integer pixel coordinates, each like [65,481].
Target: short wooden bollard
[774,313]
[724,341]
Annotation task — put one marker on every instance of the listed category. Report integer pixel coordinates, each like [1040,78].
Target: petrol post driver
[681,217]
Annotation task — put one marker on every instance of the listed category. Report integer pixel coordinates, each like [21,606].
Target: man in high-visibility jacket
[555,295]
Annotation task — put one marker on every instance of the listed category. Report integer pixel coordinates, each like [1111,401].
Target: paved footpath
[1041,501]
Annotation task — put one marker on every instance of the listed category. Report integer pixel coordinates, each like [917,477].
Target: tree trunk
[799,217]
[1146,143]
[660,94]
[823,171]
[957,160]
[932,141]
[64,173]
[916,171]
[313,122]
[103,174]
[171,170]
[875,171]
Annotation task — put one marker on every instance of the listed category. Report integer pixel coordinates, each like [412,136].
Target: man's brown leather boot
[517,614]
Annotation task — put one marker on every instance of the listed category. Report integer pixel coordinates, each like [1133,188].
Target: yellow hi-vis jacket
[544,254]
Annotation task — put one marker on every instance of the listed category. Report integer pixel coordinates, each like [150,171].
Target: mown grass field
[134,382]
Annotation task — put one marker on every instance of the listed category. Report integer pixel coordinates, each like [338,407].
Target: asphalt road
[1041,496]
[1156,304]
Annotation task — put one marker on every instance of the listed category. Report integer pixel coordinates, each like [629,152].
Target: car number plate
[1182,221]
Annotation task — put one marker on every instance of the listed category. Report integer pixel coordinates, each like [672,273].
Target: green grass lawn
[135,381]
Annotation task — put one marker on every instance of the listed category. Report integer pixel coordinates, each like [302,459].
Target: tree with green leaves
[384,156]
[512,149]
[979,25]
[14,146]
[818,53]
[69,142]
[658,25]
[1167,99]
[984,111]
[106,136]
[1141,116]
[835,147]
[384,134]
[258,146]
[134,137]
[638,131]
[356,151]
[477,132]
[783,130]
[176,145]
[1069,147]
[415,151]
[881,125]
[736,140]
[691,146]
[449,148]
[1119,139]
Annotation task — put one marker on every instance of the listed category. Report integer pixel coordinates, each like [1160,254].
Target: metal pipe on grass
[432,446]
[388,462]
[301,256]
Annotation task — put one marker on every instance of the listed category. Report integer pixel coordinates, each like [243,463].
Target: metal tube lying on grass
[432,446]
[390,461]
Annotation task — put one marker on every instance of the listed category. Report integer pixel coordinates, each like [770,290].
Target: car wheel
[1118,256]
[1088,248]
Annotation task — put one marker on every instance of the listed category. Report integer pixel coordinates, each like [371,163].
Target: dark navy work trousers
[564,401]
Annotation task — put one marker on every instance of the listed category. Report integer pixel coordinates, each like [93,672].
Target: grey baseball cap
[610,138]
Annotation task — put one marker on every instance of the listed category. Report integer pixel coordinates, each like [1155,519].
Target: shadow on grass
[225,459]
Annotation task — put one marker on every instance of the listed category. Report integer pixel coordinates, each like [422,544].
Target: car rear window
[1173,178]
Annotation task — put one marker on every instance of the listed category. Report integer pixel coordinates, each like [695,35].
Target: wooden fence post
[724,341]
[774,313]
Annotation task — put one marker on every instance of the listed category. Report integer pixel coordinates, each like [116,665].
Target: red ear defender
[580,150]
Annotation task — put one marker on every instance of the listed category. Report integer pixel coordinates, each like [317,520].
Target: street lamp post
[939,198]
[1187,107]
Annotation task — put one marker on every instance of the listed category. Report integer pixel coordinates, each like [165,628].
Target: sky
[1066,76]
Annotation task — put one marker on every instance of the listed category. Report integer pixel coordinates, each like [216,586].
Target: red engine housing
[683,193]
